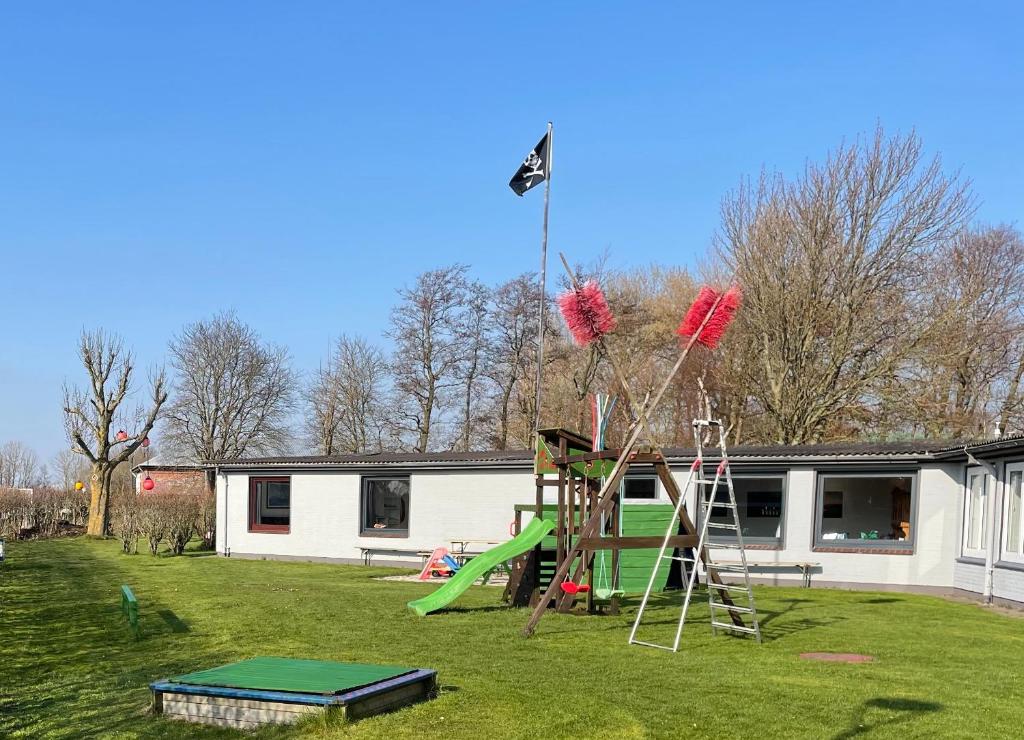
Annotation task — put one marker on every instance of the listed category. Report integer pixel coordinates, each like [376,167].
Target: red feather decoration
[586,313]
[720,319]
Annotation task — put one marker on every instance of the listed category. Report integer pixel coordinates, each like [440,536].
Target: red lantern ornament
[79,485]
[145,441]
[148,483]
[122,435]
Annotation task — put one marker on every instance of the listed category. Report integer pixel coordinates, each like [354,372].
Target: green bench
[130,608]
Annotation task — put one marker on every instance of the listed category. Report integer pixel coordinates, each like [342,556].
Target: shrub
[182,516]
[207,525]
[43,512]
[126,521]
[152,520]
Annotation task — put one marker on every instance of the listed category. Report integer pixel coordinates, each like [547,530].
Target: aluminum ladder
[725,614]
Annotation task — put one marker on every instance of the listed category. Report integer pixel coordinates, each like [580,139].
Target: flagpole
[543,277]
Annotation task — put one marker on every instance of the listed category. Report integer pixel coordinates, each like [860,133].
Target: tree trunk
[506,395]
[99,503]
[1011,398]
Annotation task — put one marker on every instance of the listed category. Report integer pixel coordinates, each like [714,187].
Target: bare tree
[513,347]
[967,377]
[476,341]
[91,417]
[346,412]
[232,392]
[68,469]
[426,328]
[832,266]
[19,466]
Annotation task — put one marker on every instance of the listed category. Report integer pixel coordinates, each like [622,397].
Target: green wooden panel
[543,465]
[287,674]
[638,520]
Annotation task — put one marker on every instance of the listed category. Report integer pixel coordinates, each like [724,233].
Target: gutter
[216,474]
[990,516]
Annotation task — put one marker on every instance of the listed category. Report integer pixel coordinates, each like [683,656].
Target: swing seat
[607,594]
[574,588]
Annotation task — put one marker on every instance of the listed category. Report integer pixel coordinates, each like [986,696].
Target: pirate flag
[535,168]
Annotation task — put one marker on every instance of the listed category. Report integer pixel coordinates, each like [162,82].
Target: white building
[911,516]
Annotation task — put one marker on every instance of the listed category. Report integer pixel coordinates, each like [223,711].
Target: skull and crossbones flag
[536,168]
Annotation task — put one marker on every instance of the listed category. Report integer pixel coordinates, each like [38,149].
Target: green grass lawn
[69,668]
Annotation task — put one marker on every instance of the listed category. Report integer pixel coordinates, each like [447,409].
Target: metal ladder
[725,615]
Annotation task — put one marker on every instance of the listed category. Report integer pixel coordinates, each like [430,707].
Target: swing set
[565,461]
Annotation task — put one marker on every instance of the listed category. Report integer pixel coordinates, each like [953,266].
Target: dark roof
[916,448]
[913,450]
[492,457]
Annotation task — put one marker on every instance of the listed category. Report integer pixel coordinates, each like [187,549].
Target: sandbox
[265,690]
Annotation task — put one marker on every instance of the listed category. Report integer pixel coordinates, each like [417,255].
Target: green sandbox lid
[288,674]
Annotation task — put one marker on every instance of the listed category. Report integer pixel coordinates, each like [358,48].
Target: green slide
[534,532]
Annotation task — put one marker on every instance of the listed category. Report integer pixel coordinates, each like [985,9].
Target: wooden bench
[367,553]
[130,608]
[805,569]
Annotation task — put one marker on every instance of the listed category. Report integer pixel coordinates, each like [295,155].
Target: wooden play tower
[588,523]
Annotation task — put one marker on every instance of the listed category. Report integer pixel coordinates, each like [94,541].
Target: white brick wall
[446,505]
[325,511]
[1008,583]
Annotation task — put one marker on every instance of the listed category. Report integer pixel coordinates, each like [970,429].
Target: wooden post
[563,450]
[617,512]
[589,530]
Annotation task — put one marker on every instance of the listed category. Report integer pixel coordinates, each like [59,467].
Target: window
[270,504]
[975,509]
[832,508]
[759,504]
[1013,544]
[640,487]
[385,507]
[865,510]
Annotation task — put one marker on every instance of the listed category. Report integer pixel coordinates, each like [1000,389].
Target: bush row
[171,518]
[43,512]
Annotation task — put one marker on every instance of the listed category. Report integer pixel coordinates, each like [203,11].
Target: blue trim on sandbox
[294,697]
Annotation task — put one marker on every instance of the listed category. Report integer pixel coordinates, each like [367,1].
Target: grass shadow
[171,620]
[883,600]
[785,629]
[894,711]
[68,651]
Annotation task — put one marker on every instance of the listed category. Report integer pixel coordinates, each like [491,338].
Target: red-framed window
[270,504]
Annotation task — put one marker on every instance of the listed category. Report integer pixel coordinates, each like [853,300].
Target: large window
[1013,526]
[759,504]
[270,504]
[385,507]
[865,511]
[975,513]
[640,487]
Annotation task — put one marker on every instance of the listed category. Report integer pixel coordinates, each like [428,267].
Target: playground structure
[588,482]
[440,564]
[587,528]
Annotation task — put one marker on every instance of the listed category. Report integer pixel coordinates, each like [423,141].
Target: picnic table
[463,549]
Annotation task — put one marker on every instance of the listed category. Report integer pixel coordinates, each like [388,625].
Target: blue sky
[299,163]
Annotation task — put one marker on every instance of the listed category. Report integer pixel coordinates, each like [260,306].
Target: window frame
[1005,555]
[645,475]
[763,543]
[255,526]
[978,553]
[861,546]
[364,490]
